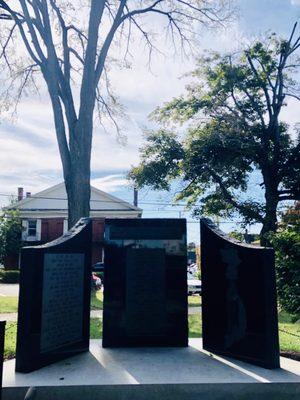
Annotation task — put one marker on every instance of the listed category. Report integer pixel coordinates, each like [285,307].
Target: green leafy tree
[231,117]
[286,243]
[237,235]
[10,234]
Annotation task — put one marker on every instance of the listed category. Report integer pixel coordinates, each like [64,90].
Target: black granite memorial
[54,299]
[2,335]
[145,296]
[239,308]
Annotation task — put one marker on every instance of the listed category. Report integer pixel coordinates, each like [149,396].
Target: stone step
[155,374]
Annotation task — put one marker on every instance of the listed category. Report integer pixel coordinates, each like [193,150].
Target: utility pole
[135,197]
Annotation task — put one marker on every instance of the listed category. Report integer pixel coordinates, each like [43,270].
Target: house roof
[55,199]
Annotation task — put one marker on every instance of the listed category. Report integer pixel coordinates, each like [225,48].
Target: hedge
[9,276]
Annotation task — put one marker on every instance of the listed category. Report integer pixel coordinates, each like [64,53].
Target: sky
[29,155]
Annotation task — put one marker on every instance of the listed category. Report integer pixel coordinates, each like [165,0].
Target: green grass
[10,340]
[96,300]
[8,304]
[288,341]
[195,326]
[194,301]
[289,332]
[96,328]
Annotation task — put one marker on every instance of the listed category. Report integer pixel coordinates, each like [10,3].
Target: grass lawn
[8,304]
[289,339]
[96,328]
[194,301]
[96,300]
[10,340]
[289,333]
[195,326]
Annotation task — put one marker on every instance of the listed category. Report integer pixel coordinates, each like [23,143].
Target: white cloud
[295,2]
[110,183]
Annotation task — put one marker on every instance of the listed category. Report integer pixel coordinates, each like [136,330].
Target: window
[32,227]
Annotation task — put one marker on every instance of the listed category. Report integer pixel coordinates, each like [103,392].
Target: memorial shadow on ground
[266,375]
[146,365]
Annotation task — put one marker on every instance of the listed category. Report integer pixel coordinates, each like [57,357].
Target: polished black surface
[2,335]
[145,296]
[239,308]
[54,299]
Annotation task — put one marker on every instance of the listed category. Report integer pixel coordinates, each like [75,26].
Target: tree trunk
[77,179]
[78,191]
[270,220]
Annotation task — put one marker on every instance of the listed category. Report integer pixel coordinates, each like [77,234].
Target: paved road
[9,289]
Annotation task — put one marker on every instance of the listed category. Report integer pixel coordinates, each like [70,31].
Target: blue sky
[28,150]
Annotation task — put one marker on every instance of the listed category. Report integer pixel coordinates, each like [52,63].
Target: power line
[102,201]
[96,201]
[110,201]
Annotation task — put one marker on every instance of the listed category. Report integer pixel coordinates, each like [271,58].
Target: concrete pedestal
[153,373]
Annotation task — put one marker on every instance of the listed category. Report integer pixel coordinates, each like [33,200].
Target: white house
[44,215]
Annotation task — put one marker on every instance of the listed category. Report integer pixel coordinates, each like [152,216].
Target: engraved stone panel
[239,308]
[54,299]
[62,300]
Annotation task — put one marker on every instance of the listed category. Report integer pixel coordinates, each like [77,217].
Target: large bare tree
[68,44]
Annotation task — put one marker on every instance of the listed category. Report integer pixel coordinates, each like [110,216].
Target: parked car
[96,282]
[194,284]
[193,268]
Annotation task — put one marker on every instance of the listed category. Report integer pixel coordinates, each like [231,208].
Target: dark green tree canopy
[10,234]
[230,114]
[286,243]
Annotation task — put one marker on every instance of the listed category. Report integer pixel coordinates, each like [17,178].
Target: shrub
[287,247]
[10,234]
[9,276]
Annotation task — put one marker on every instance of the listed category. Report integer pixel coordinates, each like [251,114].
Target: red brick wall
[98,229]
[51,229]
[98,236]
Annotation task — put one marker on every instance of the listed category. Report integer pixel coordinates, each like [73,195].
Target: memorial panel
[239,308]
[62,303]
[145,297]
[54,299]
[2,336]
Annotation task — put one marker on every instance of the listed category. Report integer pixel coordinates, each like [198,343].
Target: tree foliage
[286,243]
[230,114]
[10,234]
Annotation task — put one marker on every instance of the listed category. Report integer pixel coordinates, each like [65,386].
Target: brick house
[44,216]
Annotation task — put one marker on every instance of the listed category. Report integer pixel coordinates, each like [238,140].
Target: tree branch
[16,17]
[229,198]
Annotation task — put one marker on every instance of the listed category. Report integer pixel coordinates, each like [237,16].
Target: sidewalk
[12,317]
[9,289]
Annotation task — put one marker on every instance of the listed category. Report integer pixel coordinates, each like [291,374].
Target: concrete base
[153,373]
